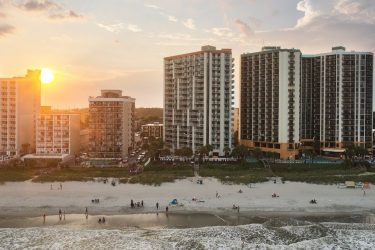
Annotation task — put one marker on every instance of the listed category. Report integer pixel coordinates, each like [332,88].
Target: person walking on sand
[142,203]
[217,194]
[64,214]
[44,218]
[87,213]
[157,205]
[238,209]
[166,209]
[60,186]
[51,187]
[60,214]
[364,192]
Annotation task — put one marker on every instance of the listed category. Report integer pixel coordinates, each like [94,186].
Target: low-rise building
[152,130]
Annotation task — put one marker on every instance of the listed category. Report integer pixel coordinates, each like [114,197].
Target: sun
[46,76]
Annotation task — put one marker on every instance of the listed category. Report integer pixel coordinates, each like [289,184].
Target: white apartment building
[19,109]
[198,99]
[111,125]
[337,99]
[270,111]
[57,133]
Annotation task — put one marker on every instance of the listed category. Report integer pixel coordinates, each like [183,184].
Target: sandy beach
[25,199]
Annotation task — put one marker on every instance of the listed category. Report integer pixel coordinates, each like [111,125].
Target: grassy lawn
[322,174]
[17,173]
[156,174]
[82,174]
[235,173]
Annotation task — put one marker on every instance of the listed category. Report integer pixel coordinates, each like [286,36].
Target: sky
[120,44]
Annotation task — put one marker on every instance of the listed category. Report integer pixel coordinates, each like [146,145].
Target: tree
[184,152]
[226,151]
[241,152]
[257,152]
[206,149]
[154,147]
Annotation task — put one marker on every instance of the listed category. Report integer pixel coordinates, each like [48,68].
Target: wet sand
[178,220]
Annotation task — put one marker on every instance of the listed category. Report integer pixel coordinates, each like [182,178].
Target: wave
[273,234]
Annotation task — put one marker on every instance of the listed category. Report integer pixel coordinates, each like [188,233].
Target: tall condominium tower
[20,105]
[269,114]
[336,100]
[198,99]
[111,125]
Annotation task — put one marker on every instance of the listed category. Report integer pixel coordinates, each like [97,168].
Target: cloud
[38,5]
[6,29]
[55,11]
[152,6]
[244,28]
[66,15]
[172,19]
[114,28]
[134,28]
[222,32]
[189,23]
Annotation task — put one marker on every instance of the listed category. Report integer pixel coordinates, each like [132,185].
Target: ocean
[272,233]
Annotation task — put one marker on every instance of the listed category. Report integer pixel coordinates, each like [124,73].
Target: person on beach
[64,214]
[60,186]
[131,204]
[157,205]
[103,220]
[166,209]
[364,193]
[44,218]
[217,194]
[60,214]
[87,213]
[142,203]
[238,209]
[51,187]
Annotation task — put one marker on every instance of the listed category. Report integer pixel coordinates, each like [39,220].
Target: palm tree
[226,151]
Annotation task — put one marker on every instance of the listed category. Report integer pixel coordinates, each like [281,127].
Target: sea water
[274,233]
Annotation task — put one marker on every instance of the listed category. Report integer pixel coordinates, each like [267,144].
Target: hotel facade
[198,99]
[269,100]
[57,133]
[336,100]
[20,105]
[111,125]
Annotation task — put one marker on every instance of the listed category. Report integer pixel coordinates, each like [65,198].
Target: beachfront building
[198,99]
[336,100]
[269,99]
[19,109]
[152,130]
[57,133]
[111,125]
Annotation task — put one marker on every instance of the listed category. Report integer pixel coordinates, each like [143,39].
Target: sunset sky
[120,44]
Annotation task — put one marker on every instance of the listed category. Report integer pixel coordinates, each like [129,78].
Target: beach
[342,218]
[25,199]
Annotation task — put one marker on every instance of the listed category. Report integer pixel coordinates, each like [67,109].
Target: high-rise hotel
[198,99]
[111,125]
[336,100]
[270,111]
[19,109]
[321,102]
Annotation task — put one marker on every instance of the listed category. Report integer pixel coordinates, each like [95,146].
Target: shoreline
[184,219]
